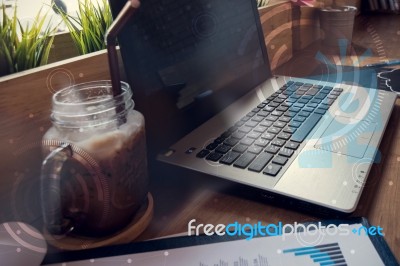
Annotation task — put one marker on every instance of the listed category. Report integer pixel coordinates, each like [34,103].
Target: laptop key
[263,113]
[214,156]
[202,153]
[266,123]
[304,113]
[324,106]
[284,135]
[279,124]
[320,111]
[312,91]
[261,142]
[272,169]
[259,164]
[272,118]
[255,149]
[294,124]
[230,157]
[286,152]
[223,148]
[245,129]
[247,141]
[308,109]
[282,108]
[299,118]
[257,118]
[226,134]
[244,160]
[306,127]
[329,101]
[303,101]
[273,104]
[260,129]
[316,101]
[254,135]
[231,141]
[212,146]
[245,119]
[294,109]
[277,113]
[268,136]
[240,148]
[280,160]
[292,145]
[251,124]
[238,135]
[278,100]
[290,113]
[219,140]
[333,97]
[284,119]
[269,109]
[274,130]
[298,105]
[239,123]
[272,149]
[289,130]
[251,114]
[278,142]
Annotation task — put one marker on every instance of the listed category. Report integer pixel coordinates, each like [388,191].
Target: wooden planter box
[63,48]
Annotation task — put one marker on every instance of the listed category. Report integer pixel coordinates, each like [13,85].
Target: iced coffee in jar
[94,176]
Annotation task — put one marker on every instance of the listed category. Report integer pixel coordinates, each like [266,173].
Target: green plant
[261,3]
[89,26]
[22,47]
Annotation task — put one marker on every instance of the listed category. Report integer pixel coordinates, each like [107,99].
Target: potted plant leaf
[23,47]
[89,25]
[261,3]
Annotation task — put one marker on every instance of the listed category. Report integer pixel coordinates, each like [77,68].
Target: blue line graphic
[323,255]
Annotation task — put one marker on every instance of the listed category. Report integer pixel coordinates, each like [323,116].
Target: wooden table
[181,199]
[178,199]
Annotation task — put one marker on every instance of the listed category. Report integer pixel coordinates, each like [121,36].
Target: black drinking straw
[111,42]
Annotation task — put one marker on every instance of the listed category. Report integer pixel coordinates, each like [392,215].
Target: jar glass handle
[50,191]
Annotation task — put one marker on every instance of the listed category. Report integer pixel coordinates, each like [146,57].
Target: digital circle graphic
[21,244]
[80,191]
[59,78]
[205,25]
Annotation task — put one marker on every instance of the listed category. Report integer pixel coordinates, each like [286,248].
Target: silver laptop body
[188,61]
[328,169]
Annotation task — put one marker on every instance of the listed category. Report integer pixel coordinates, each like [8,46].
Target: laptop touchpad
[347,136]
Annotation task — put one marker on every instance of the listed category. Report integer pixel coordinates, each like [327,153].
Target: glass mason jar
[94,178]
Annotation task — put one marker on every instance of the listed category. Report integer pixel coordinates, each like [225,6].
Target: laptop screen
[186,60]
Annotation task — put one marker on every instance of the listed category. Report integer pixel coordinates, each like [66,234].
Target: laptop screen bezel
[174,129]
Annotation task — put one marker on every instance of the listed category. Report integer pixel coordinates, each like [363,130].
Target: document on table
[312,248]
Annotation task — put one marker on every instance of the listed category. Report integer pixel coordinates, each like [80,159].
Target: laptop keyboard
[265,139]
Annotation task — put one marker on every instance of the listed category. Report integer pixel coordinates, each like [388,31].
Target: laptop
[200,73]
